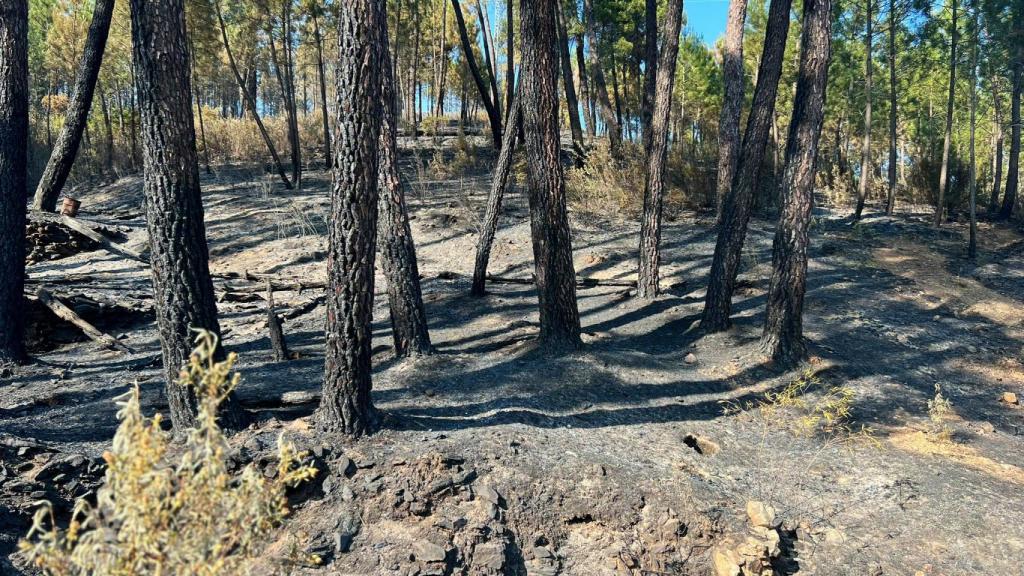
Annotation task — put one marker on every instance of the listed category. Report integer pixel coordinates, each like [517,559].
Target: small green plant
[940,410]
[170,510]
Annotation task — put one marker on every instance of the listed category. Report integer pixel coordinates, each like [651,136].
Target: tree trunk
[738,203]
[650,70]
[732,101]
[891,200]
[490,56]
[972,244]
[250,99]
[947,141]
[510,59]
[398,251]
[865,150]
[600,86]
[62,158]
[1013,165]
[182,288]
[467,50]
[321,74]
[570,90]
[588,108]
[286,81]
[108,135]
[14,95]
[549,221]
[199,110]
[346,405]
[997,157]
[650,223]
[489,226]
[782,338]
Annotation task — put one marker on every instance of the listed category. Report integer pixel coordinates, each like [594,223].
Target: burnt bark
[738,202]
[608,115]
[14,96]
[489,226]
[1013,164]
[398,251]
[782,339]
[346,405]
[732,101]
[650,70]
[947,140]
[549,221]
[485,96]
[650,223]
[581,65]
[570,89]
[865,149]
[182,289]
[62,158]
[997,157]
[891,200]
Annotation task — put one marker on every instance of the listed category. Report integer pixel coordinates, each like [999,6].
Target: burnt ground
[627,457]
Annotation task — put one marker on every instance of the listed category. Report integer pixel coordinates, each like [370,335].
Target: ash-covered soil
[637,454]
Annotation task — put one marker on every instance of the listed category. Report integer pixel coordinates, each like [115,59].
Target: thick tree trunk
[782,339]
[739,200]
[650,223]
[14,96]
[608,116]
[1013,164]
[485,96]
[62,158]
[865,150]
[250,99]
[570,89]
[346,405]
[489,226]
[182,288]
[997,156]
[650,70]
[732,101]
[947,141]
[322,75]
[398,251]
[891,200]
[549,221]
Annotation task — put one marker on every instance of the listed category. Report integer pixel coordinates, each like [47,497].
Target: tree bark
[581,65]
[1013,164]
[891,200]
[947,141]
[467,49]
[650,70]
[570,89]
[608,115]
[398,251]
[972,244]
[108,134]
[182,289]
[782,338]
[865,150]
[14,95]
[738,203]
[286,81]
[490,56]
[346,405]
[489,226]
[62,158]
[510,59]
[997,157]
[732,101]
[549,221]
[322,75]
[650,223]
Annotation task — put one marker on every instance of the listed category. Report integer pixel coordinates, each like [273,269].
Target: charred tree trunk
[650,223]
[865,150]
[782,339]
[549,221]
[108,134]
[64,151]
[489,226]
[1013,165]
[182,288]
[650,70]
[947,141]
[199,110]
[510,59]
[972,244]
[490,56]
[738,203]
[732,101]
[398,251]
[891,200]
[346,405]
[322,75]
[14,96]
[608,115]
[570,89]
[286,81]
[581,65]
[467,49]
[997,156]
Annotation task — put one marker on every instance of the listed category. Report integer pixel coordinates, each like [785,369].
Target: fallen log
[83,229]
[580,282]
[278,283]
[65,313]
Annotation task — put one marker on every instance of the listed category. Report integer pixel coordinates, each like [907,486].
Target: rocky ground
[653,450]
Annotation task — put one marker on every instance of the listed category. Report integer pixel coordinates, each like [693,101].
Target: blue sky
[706,18]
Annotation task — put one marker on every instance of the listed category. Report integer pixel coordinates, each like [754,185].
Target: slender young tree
[608,115]
[182,288]
[650,223]
[62,158]
[972,244]
[947,142]
[322,75]
[739,201]
[549,221]
[732,101]
[997,154]
[650,70]
[346,405]
[573,105]
[865,148]
[14,96]
[891,199]
[782,339]
[485,95]
[1013,163]
[398,251]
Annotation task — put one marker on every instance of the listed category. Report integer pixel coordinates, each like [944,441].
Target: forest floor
[637,454]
